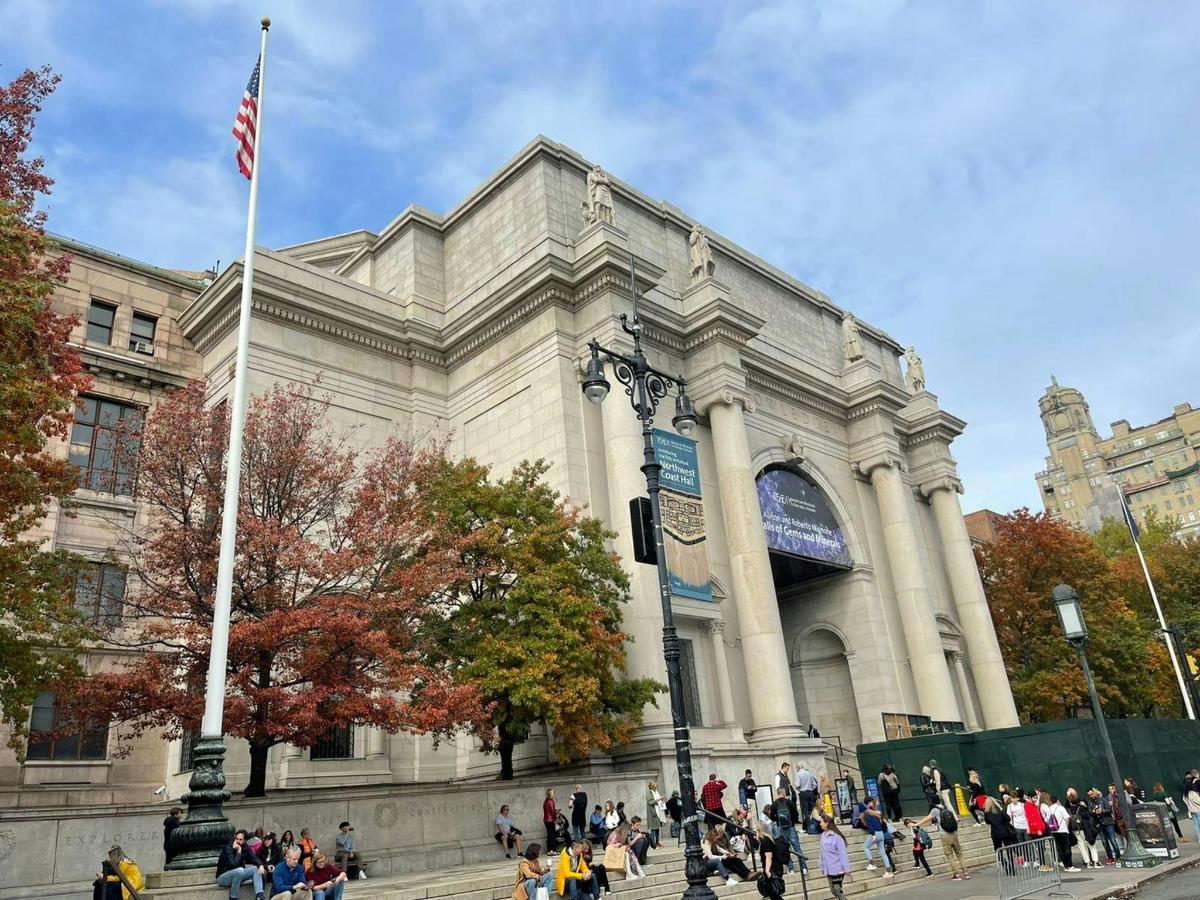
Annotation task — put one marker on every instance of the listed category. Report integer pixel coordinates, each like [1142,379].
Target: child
[921,842]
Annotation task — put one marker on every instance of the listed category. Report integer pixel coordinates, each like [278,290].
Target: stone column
[964,688]
[921,634]
[974,617]
[376,742]
[643,614]
[716,631]
[772,703]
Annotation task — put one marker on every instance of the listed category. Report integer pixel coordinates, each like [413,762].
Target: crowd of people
[282,866]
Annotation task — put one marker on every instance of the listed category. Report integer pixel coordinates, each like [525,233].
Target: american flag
[246,124]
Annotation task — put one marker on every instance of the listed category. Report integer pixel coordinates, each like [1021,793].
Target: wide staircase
[664,876]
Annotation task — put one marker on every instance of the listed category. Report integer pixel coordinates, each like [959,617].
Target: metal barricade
[1029,868]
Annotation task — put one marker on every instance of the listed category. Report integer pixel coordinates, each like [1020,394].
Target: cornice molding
[771,385]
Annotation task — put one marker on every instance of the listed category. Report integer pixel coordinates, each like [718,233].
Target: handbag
[614,857]
[542,893]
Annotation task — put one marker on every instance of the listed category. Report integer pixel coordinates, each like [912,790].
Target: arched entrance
[823,685]
[804,537]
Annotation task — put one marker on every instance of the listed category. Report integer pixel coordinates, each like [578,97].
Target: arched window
[52,738]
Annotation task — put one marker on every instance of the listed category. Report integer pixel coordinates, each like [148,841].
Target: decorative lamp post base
[197,842]
[1136,856]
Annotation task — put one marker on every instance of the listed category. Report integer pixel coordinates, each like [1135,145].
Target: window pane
[66,747]
[81,434]
[142,327]
[87,590]
[99,314]
[86,411]
[99,334]
[94,744]
[43,713]
[79,456]
[110,413]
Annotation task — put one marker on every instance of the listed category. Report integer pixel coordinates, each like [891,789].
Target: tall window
[100,593]
[104,444]
[691,689]
[336,743]
[141,333]
[51,737]
[100,322]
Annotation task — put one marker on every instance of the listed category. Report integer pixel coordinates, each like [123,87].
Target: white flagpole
[214,695]
[1162,621]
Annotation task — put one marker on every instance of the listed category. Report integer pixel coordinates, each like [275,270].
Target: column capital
[714,626]
[941,483]
[885,459]
[726,396]
[955,656]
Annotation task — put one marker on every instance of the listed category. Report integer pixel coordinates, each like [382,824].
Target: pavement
[1178,877]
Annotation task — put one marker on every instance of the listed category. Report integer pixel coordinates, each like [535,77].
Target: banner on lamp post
[685,536]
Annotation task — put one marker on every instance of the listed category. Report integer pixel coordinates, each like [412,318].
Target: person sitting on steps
[327,880]
[289,877]
[531,874]
[573,878]
[236,863]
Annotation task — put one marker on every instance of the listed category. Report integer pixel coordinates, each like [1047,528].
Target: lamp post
[646,386]
[1070,615]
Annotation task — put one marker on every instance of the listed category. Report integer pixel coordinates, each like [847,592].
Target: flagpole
[198,840]
[1162,622]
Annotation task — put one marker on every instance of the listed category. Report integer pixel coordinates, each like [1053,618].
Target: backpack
[947,822]
[783,814]
[1033,818]
[1052,822]
[856,820]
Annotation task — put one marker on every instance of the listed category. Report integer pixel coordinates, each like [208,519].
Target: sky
[1012,187]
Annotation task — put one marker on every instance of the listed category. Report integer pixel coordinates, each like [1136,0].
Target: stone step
[664,876]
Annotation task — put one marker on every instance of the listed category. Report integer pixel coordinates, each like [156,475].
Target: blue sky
[1012,187]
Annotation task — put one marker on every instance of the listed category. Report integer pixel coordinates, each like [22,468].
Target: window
[49,737]
[691,689]
[336,743]
[141,333]
[104,444]
[187,750]
[100,593]
[100,322]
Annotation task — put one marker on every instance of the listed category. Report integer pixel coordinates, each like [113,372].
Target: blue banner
[798,521]
[685,535]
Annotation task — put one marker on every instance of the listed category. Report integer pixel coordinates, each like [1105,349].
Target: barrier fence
[1029,868]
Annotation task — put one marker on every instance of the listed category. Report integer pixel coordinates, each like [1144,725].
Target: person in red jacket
[710,799]
[549,818]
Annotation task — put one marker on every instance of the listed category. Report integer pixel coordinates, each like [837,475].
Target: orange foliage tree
[339,559]
[1032,554]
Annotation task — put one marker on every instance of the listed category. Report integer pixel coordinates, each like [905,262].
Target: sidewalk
[1094,884]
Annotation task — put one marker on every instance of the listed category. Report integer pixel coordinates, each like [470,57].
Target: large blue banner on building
[685,536]
[798,521]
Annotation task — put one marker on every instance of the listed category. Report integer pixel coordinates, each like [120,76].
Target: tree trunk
[257,786]
[506,754]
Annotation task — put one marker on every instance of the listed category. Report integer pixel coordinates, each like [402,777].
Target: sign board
[685,535]
[871,786]
[1153,824]
[844,801]
[798,521]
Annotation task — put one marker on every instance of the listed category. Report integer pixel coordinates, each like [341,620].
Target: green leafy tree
[40,376]
[1034,553]
[536,618]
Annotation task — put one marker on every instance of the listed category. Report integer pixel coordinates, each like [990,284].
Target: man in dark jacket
[237,863]
[579,812]
[170,823]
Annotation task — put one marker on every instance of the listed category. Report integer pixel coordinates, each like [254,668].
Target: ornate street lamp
[1070,615]
[646,386]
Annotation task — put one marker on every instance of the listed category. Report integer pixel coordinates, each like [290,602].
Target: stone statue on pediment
[599,205]
[851,339]
[914,378]
[701,255]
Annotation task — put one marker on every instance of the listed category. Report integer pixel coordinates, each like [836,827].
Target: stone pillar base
[783,736]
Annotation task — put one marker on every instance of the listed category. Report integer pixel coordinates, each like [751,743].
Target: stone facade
[1156,465]
[474,324]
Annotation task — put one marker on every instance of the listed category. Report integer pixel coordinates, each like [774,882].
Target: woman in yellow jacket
[108,884]
[573,878]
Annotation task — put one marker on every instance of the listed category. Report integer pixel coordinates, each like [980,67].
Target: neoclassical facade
[475,324]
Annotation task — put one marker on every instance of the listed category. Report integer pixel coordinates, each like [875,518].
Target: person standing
[170,823]
[1083,823]
[578,804]
[1160,795]
[746,789]
[772,851]
[1192,797]
[1058,825]
[806,787]
[656,811]
[835,857]
[783,780]
[549,817]
[940,785]
[889,790]
[921,842]
[978,794]
[710,799]
[947,822]
[785,816]
[1106,825]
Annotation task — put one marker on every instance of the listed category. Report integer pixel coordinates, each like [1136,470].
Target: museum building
[831,579]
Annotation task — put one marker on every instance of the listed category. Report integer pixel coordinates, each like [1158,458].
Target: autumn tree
[1032,554]
[536,621]
[339,557]
[40,377]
